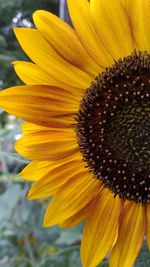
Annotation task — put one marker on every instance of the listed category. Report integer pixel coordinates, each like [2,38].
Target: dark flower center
[113,128]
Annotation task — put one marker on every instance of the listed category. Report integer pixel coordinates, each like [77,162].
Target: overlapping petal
[28,128]
[139,13]
[130,236]
[81,18]
[72,197]
[40,52]
[112,26]
[35,170]
[64,40]
[42,169]
[77,218]
[48,145]
[31,74]
[44,105]
[57,176]
[101,228]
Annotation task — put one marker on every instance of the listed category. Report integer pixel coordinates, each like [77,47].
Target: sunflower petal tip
[49,220]
[20,174]
[13,62]
[35,14]
[16,30]
[38,13]
[29,195]
[45,224]
[22,30]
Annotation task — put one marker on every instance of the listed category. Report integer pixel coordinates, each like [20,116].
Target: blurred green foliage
[16,13]
[23,241]
[144,257]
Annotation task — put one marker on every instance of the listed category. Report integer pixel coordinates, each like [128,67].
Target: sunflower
[86,104]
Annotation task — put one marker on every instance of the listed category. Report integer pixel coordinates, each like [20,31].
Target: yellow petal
[40,52]
[81,215]
[101,229]
[72,197]
[40,169]
[80,16]
[126,4]
[112,26]
[47,145]
[64,40]
[139,12]
[44,105]
[55,178]
[148,224]
[130,236]
[35,170]
[77,217]
[28,128]
[32,74]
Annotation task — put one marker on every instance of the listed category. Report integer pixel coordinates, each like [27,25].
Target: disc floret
[113,127]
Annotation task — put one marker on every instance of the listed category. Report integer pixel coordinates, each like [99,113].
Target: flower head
[86,104]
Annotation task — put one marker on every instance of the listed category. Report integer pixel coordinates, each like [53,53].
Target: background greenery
[23,241]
